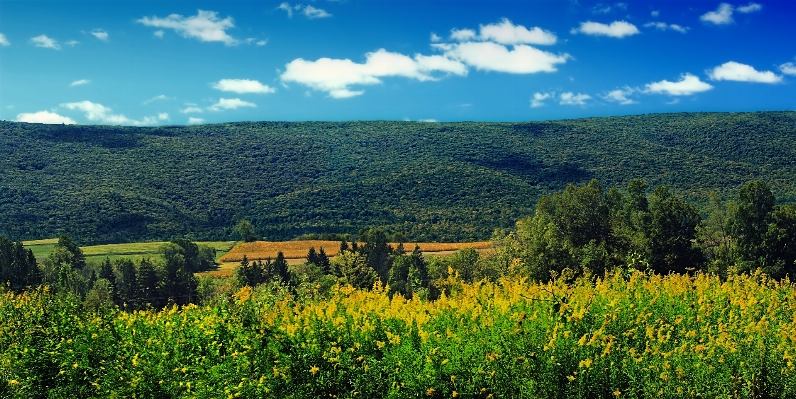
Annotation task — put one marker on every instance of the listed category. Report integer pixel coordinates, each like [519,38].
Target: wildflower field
[629,334]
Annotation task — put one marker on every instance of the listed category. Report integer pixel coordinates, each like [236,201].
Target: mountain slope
[430,181]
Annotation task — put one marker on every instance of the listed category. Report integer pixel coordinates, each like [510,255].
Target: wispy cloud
[224,104]
[308,10]
[3,41]
[156,98]
[788,68]
[723,14]
[751,7]
[742,73]
[195,121]
[80,82]
[205,26]
[100,34]
[665,26]
[620,96]
[539,99]
[617,29]
[99,113]
[72,43]
[45,42]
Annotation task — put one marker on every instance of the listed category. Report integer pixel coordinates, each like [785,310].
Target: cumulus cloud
[521,59]
[335,76]
[100,34]
[224,104]
[80,82]
[45,42]
[462,34]
[99,113]
[205,26]
[45,117]
[313,13]
[570,98]
[751,7]
[308,11]
[788,68]
[3,41]
[722,15]
[686,86]
[163,116]
[156,98]
[499,47]
[618,29]
[665,26]
[243,86]
[505,32]
[620,96]
[742,73]
[195,121]
[539,98]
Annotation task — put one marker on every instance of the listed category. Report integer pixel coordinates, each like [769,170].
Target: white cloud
[230,103]
[313,13]
[507,33]
[3,40]
[192,109]
[156,98]
[620,96]
[72,43]
[205,26]
[163,116]
[489,56]
[686,86]
[570,98]
[100,34]
[788,68]
[435,38]
[45,117]
[722,15]
[80,82]
[99,113]
[742,73]
[45,42]
[335,76]
[655,14]
[605,9]
[665,26]
[195,121]
[158,33]
[308,11]
[751,7]
[286,6]
[242,86]
[462,34]
[618,29]
[539,98]
[262,42]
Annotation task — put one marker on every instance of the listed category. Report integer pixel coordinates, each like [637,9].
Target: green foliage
[429,182]
[18,268]
[245,230]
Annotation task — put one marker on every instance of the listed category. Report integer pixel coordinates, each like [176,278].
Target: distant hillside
[429,181]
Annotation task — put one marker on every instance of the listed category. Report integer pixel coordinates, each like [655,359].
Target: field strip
[298,249]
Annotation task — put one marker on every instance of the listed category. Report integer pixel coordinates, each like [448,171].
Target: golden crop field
[298,249]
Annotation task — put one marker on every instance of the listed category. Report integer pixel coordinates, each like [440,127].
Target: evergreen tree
[323,261]
[280,268]
[78,259]
[148,283]
[126,282]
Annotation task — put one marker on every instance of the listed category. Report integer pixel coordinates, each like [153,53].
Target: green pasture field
[136,250]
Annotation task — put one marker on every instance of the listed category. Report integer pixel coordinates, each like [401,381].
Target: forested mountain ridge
[429,181]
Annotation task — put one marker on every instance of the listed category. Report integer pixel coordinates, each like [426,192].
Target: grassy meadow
[627,335]
[137,250]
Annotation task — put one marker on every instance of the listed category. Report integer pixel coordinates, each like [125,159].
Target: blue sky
[147,63]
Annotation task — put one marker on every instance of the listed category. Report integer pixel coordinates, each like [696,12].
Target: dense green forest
[427,181]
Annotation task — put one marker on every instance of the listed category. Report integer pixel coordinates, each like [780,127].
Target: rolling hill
[428,181]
